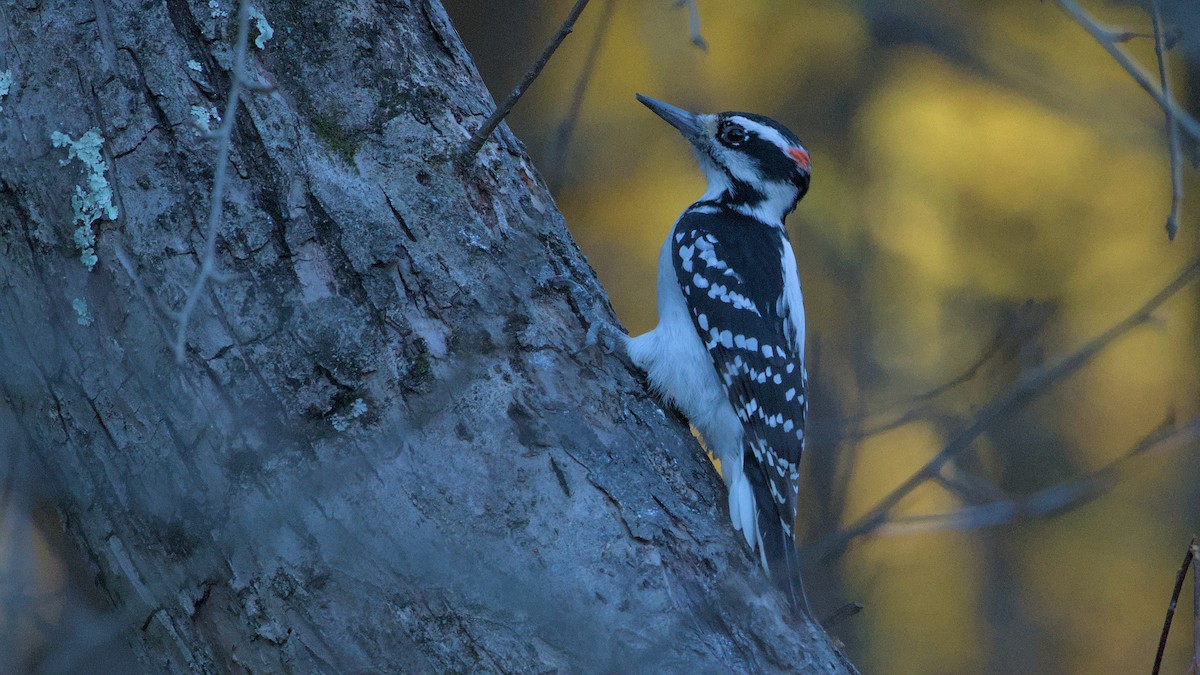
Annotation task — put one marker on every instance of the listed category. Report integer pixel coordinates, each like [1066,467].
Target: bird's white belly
[681,369]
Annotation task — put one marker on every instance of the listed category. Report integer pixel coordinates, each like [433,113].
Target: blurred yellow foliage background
[984,174]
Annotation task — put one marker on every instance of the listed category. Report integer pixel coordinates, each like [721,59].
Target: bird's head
[752,162]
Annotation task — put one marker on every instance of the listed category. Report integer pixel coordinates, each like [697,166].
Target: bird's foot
[602,337]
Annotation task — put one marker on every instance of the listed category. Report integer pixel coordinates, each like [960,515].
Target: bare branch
[476,142]
[1177,117]
[224,133]
[969,488]
[1021,326]
[1179,577]
[1160,52]
[1127,35]
[1105,37]
[844,612]
[1195,550]
[1025,391]
[694,23]
[567,127]
[868,424]
[1054,499]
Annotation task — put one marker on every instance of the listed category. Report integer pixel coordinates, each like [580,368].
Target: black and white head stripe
[726,265]
[753,163]
[765,127]
[776,153]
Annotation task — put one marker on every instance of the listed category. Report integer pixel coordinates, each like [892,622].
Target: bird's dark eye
[734,135]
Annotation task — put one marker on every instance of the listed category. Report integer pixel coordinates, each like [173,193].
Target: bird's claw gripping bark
[603,337]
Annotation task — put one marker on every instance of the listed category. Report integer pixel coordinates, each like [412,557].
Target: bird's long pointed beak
[687,123]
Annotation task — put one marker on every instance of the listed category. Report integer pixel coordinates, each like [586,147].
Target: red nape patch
[800,155]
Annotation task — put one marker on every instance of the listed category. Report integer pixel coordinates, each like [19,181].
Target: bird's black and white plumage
[728,350]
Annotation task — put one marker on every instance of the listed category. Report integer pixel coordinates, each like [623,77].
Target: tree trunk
[383,450]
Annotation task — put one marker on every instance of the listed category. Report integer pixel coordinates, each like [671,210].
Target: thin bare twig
[1025,324]
[1105,37]
[1127,34]
[1053,499]
[1160,52]
[869,424]
[1179,577]
[844,612]
[567,127]
[476,142]
[1025,391]
[969,488]
[208,262]
[694,23]
[1195,549]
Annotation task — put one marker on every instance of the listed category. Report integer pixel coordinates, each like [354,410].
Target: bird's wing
[730,274]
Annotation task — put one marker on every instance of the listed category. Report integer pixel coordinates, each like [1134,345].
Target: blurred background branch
[1021,327]
[694,23]
[1048,501]
[562,140]
[1027,389]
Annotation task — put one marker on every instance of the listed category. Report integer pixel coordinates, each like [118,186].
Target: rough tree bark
[383,452]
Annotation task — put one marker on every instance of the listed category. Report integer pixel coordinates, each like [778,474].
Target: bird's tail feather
[777,548]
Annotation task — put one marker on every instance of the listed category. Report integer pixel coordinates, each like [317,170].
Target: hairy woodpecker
[728,350]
